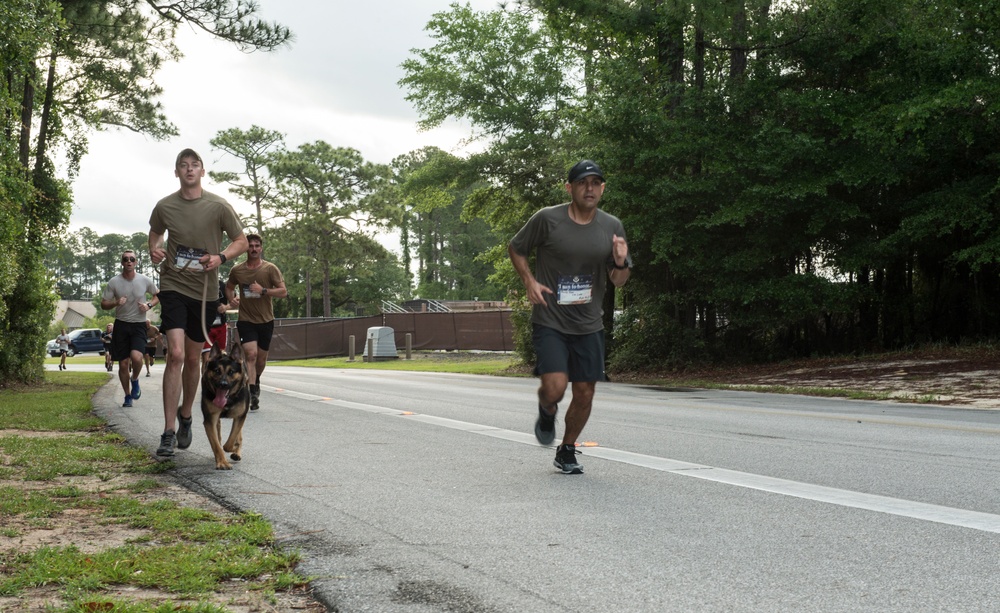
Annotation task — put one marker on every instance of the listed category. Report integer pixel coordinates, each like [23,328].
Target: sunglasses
[126,260]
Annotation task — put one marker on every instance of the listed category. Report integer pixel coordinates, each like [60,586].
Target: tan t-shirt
[254,307]
[193,228]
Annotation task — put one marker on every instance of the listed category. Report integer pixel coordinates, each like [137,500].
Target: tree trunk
[309,294]
[738,56]
[27,109]
[670,55]
[326,287]
[8,130]
[43,127]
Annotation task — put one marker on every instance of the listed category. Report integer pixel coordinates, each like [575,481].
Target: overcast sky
[336,82]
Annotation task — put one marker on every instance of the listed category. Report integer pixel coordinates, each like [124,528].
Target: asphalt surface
[427,492]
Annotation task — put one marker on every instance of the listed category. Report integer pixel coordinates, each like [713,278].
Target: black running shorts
[580,356]
[256,333]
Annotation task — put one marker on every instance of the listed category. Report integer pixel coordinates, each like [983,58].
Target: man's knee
[175,355]
[553,387]
[583,393]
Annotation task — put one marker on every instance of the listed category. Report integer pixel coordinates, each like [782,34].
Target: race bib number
[575,289]
[187,258]
[249,294]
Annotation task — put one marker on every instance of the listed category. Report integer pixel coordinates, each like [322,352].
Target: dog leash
[204,305]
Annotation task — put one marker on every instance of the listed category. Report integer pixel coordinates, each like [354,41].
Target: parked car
[84,340]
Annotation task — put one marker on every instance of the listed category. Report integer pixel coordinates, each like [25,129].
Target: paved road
[426,492]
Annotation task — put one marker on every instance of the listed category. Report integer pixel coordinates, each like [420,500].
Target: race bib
[248,294]
[187,258]
[575,289]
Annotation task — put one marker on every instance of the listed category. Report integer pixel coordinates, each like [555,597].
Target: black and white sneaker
[545,425]
[254,397]
[566,460]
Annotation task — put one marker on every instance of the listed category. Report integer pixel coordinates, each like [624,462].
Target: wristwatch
[149,305]
[263,291]
[623,267]
[222,256]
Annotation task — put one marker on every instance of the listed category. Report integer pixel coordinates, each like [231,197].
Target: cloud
[337,83]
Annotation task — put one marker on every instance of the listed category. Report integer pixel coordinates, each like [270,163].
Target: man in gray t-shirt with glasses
[577,248]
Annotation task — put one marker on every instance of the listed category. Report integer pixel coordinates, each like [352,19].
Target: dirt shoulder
[964,376]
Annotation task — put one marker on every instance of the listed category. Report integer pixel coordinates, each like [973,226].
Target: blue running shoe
[136,392]
[128,401]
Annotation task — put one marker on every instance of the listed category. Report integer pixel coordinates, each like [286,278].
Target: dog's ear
[215,352]
[236,352]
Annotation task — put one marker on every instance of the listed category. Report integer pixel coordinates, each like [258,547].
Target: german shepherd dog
[225,393]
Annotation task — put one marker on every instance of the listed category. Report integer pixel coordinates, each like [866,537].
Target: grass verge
[462,363]
[130,546]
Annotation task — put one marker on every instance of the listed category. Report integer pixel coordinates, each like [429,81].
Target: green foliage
[255,148]
[833,191]
[520,319]
[450,246]
[70,67]
[328,198]
[644,338]
[24,318]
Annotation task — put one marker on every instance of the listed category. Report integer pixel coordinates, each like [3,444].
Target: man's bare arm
[535,290]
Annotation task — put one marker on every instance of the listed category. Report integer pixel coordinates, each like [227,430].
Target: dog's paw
[223,465]
[235,457]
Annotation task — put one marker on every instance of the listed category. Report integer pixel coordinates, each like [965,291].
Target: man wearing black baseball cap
[578,248]
[585,168]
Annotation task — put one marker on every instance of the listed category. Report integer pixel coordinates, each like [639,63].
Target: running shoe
[136,392]
[166,444]
[128,401]
[545,425]
[566,460]
[147,374]
[254,397]
[184,432]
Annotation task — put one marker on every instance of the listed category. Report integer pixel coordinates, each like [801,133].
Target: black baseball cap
[585,168]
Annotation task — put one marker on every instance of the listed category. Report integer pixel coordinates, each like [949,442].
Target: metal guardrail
[392,307]
[433,306]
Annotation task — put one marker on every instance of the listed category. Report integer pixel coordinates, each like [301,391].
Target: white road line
[986,522]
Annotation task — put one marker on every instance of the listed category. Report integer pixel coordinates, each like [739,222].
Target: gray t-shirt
[572,260]
[135,291]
